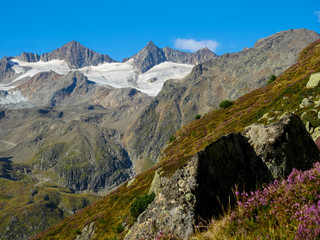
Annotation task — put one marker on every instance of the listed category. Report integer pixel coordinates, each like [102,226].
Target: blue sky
[122,28]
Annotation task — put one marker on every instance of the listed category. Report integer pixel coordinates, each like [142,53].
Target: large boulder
[313,80]
[283,145]
[204,186]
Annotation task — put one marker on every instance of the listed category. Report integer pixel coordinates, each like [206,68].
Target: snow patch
[122,75]
[29,69]
[117,75]
[12,97]
[151,82]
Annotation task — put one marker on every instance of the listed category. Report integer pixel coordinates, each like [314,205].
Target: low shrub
[271,79]
[140,204]
[197,117]
[119,228]
[225,104]
[172,138]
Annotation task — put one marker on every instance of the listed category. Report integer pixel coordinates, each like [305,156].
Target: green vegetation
[197,117]
[40,205]
[312,118]
[225,104]
[140,204]
[172,138]
[271,79]
[119,228]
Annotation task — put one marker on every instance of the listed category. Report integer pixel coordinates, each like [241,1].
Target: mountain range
[241,147]
[79,120]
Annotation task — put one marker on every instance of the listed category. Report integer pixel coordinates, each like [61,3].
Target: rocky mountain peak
[151,45]
[148,57]
[205,49]
[76,55]
[28,57]
[288,35]
[73,43]
[152,55]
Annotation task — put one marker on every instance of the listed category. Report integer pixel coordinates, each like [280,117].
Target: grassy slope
[108,212]
[32,207]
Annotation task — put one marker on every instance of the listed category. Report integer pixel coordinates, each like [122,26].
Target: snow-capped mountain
[151,55]
[146,71]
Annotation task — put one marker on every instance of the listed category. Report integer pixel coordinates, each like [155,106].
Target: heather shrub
[140,204]
[288,209]
[197,117]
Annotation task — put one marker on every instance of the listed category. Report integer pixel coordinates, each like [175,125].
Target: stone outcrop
[201,188]
[87,232]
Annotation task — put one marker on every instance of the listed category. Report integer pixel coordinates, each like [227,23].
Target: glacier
[117,75]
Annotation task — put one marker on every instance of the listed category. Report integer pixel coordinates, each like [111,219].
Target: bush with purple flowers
[287,209]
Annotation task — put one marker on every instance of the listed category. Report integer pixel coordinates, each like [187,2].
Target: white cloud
[193,45]
[318,14]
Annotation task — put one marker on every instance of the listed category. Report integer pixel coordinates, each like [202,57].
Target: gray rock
[6,71]
[28,57]
[76,55]
[158,183]
[313,80]
[283,145]
[87,232]
[200,56]
[306,103]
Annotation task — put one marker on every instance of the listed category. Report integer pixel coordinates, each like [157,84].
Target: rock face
[200,56]
[148,57]
[283,145]
[226,77]
[6,72]
[197,190]
[28,57]
[151,55]
[52,89]
[76,55]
